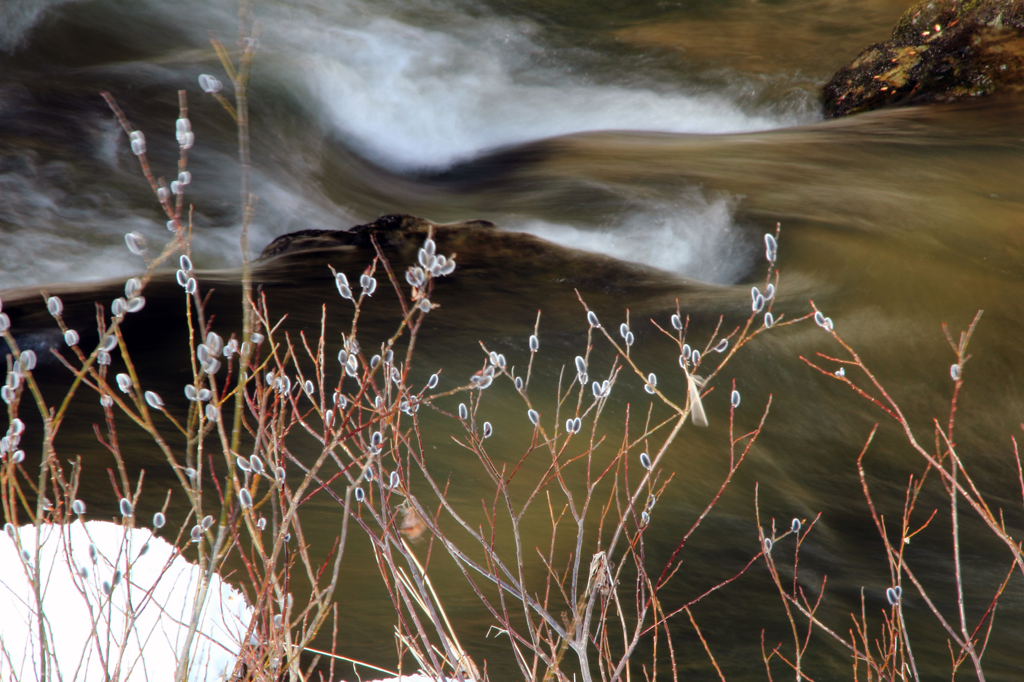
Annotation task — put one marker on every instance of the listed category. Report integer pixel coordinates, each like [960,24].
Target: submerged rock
[391,230]
[940,51]
[485,253]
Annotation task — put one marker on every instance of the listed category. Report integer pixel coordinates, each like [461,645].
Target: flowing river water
[666,135]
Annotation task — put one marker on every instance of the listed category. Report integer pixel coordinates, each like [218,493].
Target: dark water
[666,134]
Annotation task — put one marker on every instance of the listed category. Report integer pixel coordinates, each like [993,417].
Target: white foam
[412,97]
[81,238]
[405,95]
[150,609]
[18,17]
[61,238]
[694,238]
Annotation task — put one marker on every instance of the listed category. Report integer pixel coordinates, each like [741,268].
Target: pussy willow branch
[890,406]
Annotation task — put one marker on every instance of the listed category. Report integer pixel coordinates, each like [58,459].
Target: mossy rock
[940,51]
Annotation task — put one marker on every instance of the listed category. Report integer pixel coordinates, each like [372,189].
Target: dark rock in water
[501,280]
[484,252]
[940,51]
[389,229]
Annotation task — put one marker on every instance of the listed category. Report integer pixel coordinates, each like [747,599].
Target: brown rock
[483,252]
[390,230]
[940,51]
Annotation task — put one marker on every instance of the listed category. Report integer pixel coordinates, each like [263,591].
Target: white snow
[136,632]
